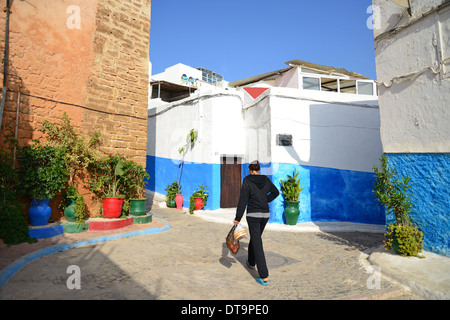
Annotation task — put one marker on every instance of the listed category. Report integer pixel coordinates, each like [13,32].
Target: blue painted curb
[13,268]
[46,232]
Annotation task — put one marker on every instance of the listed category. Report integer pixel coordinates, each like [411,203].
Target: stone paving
[191,261]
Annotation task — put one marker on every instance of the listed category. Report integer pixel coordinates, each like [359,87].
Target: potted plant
[75,210]
[171,192]
[43,174]
[106,179]
[134,187]
[81,151]
[291,192]
[392,193]
[191,138]
[198,199]
[179,199]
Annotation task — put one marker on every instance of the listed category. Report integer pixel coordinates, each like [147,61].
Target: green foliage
[81,151]
[134,180]
[42,170]
[116,176]
[13,226]
[291,187]
[106,175]
[199,193]
[172,190]
[405,239]
[80,205]
[191,138]
[392,192]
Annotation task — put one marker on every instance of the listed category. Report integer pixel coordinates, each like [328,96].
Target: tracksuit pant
[255,248]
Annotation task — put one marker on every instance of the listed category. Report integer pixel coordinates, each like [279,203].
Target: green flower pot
[69,211]
[171,203]
[137,207]
[292,212]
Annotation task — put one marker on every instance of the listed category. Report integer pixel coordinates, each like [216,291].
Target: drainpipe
[5,59]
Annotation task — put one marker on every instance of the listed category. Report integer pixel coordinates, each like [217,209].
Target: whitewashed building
[412,50]
[322,121]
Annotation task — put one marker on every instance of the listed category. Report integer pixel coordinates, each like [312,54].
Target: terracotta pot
[179,201]
[198,204]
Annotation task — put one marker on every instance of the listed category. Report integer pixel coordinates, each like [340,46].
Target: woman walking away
[256,192]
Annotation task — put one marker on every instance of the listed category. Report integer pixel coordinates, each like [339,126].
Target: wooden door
[230,181]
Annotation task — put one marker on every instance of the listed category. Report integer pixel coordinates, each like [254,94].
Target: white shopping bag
[240,232]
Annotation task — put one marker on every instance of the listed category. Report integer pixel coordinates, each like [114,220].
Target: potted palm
[392,193]
[43,174]
[291,192]
[106,179]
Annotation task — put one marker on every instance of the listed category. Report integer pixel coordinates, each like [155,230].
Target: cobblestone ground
[191,261]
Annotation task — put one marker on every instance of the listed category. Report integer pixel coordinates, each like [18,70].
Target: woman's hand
[236,222]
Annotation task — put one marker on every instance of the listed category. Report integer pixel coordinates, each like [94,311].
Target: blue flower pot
[39,212]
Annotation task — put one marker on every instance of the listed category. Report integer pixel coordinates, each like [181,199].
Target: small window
[365,88]
[328,84]
[310,83]
[347,86]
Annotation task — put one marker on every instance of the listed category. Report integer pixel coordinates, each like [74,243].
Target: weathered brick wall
[88,58]
[118,81]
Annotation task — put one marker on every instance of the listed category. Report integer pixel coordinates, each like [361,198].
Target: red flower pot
[112,208]
[198,204]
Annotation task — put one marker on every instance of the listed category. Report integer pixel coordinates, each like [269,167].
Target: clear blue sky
[244,38]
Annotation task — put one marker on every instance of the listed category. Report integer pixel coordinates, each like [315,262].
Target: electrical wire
[413,75]
[80,106]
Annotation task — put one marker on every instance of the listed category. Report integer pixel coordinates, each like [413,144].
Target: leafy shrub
[13,226]
[406,240]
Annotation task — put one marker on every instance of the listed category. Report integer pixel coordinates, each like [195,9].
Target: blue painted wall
[328,195]
[164,171]
[429,174]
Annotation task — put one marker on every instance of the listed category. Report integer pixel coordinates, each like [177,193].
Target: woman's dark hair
[254,166]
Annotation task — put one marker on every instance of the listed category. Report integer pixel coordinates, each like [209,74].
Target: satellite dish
[403,3]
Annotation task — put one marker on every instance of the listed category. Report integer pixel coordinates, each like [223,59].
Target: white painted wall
[216,114]
[413,72]
[329,129]
[257,117]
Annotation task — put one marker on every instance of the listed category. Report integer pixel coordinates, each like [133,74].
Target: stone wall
[88,58]
[117,86]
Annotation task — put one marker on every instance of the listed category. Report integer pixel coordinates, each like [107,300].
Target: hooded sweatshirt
[256,192]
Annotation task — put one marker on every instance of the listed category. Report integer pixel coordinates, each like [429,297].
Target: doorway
[230,181]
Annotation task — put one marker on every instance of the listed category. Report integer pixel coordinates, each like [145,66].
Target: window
[328,84]
[211,77]
[347,86]
[365,88]
[310,83]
